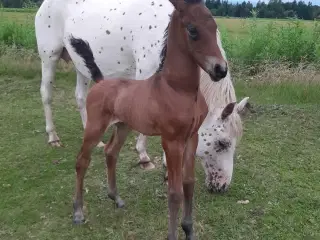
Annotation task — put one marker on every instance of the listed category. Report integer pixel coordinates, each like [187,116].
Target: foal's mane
[163,53]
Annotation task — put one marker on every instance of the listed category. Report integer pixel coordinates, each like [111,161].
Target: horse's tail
[83,48]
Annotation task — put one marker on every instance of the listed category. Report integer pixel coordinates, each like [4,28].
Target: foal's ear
[178,4]
[228,110]
[241,105]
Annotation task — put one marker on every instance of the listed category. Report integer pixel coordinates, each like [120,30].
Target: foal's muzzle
[218,72]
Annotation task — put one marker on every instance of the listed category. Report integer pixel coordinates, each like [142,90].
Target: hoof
[147,165]
[78,218]
[78,221]
[120,203]
[100,145]
[55,143]
[188,230]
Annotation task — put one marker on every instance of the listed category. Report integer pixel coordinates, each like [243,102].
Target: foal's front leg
[174,154]
[141,147]
[188,185]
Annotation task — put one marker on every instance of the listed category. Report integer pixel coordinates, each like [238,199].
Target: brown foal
[170,102]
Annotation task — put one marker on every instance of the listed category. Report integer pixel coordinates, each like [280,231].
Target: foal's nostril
[220,71]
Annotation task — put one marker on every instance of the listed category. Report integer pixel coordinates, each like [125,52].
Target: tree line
[272,9]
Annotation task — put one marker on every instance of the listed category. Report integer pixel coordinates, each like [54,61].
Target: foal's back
[141,104]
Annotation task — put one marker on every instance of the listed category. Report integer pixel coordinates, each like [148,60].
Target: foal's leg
[92,134]
[145,162]
[188,185]
[174,154]
[112,149]
[81,96]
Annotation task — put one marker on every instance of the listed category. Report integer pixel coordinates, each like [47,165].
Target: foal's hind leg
[145,162]
[188,185]
[112,149]
[92,134]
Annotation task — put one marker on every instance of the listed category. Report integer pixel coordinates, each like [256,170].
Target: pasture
[277,167]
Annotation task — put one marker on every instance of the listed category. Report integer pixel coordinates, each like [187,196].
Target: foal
[168,104]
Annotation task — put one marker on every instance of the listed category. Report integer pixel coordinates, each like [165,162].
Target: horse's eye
[222,145]
[192,32]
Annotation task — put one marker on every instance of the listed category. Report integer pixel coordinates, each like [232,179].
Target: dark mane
[163,53]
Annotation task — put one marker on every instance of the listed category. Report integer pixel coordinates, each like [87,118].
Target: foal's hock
[168,104]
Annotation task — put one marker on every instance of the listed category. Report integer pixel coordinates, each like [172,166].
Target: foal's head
[201,36]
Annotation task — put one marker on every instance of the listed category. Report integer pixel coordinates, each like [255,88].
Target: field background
[274,62]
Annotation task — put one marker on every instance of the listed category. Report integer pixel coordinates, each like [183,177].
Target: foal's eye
[192,32]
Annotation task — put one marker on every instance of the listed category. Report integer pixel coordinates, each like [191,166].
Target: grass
[277,167]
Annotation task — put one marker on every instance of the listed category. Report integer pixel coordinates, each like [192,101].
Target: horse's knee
[175,197]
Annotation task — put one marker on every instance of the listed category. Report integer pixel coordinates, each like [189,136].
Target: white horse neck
[217,94]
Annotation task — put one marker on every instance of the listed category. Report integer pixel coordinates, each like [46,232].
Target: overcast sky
[314,2]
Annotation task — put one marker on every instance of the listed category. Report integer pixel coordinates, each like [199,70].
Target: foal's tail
[83,48]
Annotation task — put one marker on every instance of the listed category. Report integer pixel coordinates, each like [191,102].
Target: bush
[292,43]
[15,34]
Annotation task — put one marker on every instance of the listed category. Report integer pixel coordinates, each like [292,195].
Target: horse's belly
[122,36]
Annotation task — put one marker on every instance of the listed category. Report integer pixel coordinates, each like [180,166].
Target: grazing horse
[168,104]
[131,32]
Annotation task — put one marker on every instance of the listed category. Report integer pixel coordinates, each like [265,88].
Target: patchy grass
[277,168]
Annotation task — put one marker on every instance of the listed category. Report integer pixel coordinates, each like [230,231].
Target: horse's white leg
[81,96]
[48,76]
[145,67]
[141,146]
[164,162]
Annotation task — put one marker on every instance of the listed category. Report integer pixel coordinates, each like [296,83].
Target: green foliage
[271,9]
[255,43]
[15,34]
[292,42]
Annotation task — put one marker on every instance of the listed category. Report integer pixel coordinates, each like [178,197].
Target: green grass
[277,168]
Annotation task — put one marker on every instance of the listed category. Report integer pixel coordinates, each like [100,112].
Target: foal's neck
[180,69]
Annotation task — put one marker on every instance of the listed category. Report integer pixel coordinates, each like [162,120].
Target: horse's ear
[241,105]
[178,4]
[227,110]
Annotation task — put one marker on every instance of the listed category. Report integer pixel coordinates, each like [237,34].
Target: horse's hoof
[100,145]
[147,165]
[120,203]
[78,220]
[55,143]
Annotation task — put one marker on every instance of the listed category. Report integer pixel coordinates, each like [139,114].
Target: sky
[314,2]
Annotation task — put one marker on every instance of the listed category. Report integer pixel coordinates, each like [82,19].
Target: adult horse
[126,38]
[167,104]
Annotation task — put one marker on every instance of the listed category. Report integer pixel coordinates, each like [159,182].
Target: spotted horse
[126,37]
